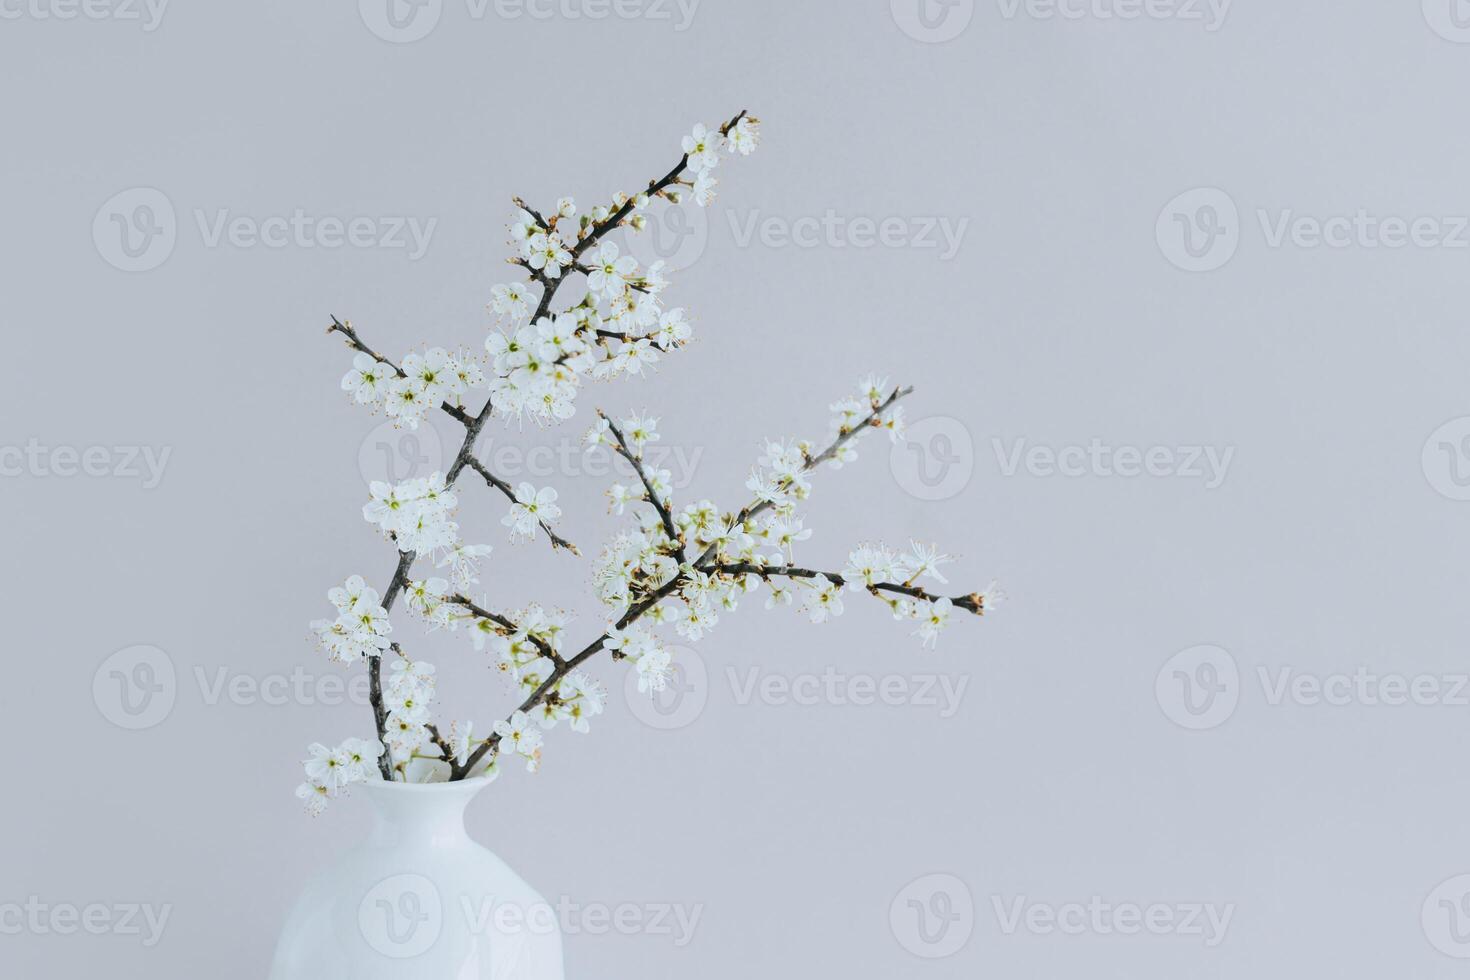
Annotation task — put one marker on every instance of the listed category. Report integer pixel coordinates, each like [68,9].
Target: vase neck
[421,814]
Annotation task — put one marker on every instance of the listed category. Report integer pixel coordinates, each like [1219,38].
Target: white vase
[420,900]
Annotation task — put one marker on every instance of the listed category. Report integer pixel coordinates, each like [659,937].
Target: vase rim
[475,783]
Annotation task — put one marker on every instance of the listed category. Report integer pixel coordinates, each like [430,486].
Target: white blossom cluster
[416,514]
[407,694]
[330,771]
[638,564]
[362,626]
[672,567]
[427,380]
[620,326]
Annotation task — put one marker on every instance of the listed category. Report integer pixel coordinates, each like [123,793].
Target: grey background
[1063,776]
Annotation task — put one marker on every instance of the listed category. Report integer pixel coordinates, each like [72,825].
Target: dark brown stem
[587,653]
[665,515]
[974,602]
[557,541]
[705,563]
[375,667]
[356,343]
[612,221]
[846,435]
[509,626]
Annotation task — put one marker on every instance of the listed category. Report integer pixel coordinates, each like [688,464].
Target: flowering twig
[540,695]
[557,541]
[599,229]
[653,497]
[844,435]
[708,562]
[375,663]
[645,573]
[509,626]
[346,329]
[974,602]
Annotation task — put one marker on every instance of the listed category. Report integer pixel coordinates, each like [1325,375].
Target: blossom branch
[665,515]
[346,329]
[974,602]
[508,626]
[557,541]
[708,562]
[375,664]
[599,229]
[548,687]
[845,435]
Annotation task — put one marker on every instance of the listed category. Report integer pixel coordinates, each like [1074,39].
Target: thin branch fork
[557,541]
[473,426]
[706,563]
[508,625]
[548,686]
[974,602]
[465,457]
[599,229]
[356,343]
[636,460]
[872,420]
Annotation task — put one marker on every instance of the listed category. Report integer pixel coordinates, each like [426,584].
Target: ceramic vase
[419,900]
